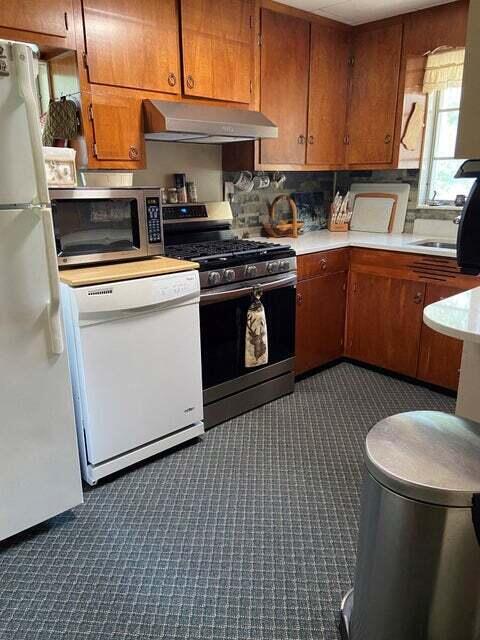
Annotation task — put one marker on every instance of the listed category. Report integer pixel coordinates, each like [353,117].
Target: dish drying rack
[340,213]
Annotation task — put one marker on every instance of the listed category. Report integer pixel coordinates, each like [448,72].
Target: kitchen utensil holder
[337,226]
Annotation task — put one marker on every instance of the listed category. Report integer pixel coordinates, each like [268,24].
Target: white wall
[202,163]
[468,139]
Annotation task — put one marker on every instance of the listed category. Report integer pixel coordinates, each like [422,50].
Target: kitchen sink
[436,244]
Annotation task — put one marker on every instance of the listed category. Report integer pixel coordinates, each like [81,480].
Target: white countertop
[314,241]
[457,316]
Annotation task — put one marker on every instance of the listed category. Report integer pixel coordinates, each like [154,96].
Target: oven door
[98,225]
[223,319]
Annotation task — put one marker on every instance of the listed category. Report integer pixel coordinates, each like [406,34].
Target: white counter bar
[314,241]
[459,317]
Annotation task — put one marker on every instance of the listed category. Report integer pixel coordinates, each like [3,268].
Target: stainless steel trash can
[418,560]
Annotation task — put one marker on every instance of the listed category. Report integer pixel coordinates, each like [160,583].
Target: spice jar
[192,192]
[172,195]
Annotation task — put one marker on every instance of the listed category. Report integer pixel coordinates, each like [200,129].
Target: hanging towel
[256,338]
[61,122]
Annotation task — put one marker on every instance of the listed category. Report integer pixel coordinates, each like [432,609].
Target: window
[438,186]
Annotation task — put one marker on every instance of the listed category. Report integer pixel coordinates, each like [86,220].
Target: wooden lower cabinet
[387,293]
[321,303]
[440,356]
[384,322]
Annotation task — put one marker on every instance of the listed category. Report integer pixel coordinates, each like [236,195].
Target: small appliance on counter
[236,277]
[134,351]
[468,239]
[106,225]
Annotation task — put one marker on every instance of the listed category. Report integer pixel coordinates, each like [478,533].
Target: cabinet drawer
[322,263]
[411,266]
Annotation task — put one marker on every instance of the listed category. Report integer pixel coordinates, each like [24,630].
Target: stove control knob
[272,267]
[214,278]
[284,265]
[251,271]
[229,275]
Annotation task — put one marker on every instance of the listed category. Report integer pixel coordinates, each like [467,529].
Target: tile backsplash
[409,176]
[250,210]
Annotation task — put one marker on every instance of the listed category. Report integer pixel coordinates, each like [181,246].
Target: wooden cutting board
[83,276]
[374,212]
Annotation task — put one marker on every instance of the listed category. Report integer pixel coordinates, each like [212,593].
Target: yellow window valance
[444,69]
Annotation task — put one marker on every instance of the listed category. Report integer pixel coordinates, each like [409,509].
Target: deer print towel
[256,339]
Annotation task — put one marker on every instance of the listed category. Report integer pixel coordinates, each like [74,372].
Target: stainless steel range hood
[184,122]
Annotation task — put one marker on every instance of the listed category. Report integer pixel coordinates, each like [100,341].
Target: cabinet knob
[190,82]
[323,264]
[388,138]
[172,79]
[418,298]
[133,153]
[301,139]
[311,140]
[299,299]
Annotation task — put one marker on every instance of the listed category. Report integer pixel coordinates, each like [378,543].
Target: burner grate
[221,248]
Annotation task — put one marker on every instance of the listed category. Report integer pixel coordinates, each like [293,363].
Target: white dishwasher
[134,349]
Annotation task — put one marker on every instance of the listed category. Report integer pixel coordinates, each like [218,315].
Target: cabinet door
[117,128]
[320,321]
[50,17]
[440,355]
[385,321]
[374,91]
[133,44]
[284,65]
[327,104]
[217,47]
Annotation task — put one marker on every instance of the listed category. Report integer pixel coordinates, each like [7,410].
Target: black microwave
[106,225]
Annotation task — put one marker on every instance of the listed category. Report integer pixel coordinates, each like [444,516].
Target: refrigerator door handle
[53,307]
[26,75]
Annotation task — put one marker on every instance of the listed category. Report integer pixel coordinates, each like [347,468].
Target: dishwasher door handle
[232,293]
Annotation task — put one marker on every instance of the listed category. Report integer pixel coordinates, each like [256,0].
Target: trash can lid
[429,456]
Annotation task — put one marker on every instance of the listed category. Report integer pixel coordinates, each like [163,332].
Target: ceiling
[358,11]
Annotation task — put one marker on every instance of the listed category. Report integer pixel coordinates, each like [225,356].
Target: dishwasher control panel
[100,303]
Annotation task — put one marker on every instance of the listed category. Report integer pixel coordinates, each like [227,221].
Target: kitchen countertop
[314,241]
[457,316]
[101,274]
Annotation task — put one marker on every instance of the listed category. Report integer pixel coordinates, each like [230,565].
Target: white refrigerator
[39,464]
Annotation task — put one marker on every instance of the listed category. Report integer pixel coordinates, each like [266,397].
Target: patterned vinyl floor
[248,534]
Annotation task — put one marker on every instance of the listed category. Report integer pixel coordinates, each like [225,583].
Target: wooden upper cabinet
[117,130]
[285,54]
[329,72]
[133,43]
[48,17]
[373,97]
[217,47]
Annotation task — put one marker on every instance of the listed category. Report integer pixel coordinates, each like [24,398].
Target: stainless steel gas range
[232,273]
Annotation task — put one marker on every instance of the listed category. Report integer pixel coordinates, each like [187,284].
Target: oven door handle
[217,295]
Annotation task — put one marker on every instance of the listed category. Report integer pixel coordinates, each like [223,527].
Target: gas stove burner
[218,249]
[229,261]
